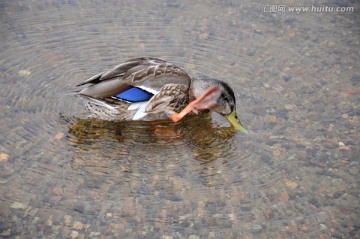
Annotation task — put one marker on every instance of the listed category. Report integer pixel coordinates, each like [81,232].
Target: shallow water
[296,79]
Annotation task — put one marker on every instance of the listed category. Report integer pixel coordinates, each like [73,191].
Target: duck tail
[92,80]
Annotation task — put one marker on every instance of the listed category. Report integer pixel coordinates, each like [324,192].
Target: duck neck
[197,87]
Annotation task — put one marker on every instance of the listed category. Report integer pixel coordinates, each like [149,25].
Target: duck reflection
[196,137]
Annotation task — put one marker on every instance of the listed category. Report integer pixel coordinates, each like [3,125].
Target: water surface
[296,80]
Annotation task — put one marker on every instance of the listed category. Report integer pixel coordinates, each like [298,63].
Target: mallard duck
[153,89]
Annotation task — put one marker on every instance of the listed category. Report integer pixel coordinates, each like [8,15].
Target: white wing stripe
[141,111]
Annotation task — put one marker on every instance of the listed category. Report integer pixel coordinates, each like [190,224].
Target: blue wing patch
[134,94]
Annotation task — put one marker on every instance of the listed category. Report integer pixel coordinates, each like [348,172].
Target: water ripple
[63,170]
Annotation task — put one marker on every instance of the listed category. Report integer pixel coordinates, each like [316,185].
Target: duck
[151,89]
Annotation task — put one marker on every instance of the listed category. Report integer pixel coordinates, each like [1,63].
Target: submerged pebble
[4,157]
[18,205]
[24,72]
[74,234]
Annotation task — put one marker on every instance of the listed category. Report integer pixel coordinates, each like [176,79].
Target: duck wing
[149,74]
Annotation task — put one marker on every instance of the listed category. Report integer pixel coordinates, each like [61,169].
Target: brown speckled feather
[171,98]
[151,73]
